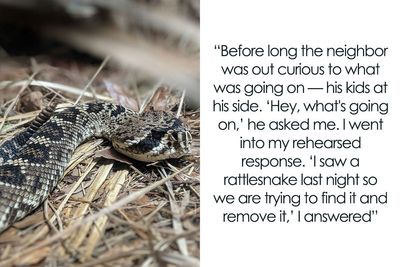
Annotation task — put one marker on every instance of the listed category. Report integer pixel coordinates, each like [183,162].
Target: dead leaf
[31,101]
[159,99]
[110,153]
[121,96]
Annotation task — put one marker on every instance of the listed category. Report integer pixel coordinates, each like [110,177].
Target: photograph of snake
[99,133]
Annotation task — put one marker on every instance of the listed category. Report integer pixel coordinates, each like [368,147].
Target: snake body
[33,161]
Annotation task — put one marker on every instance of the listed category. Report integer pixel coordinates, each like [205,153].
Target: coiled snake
[32,162]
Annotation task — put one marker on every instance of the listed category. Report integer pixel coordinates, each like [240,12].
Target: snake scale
[33,161]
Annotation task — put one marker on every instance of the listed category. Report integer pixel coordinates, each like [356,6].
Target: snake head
[156,136]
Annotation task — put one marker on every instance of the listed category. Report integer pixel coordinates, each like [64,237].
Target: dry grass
[105,212]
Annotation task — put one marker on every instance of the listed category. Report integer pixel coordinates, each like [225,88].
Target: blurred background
[145,42]
[138,53]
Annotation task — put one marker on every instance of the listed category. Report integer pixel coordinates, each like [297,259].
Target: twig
[88,85]
[178,113]
[130,253]
[57,86]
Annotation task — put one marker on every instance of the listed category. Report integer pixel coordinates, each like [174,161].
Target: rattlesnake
[32,162]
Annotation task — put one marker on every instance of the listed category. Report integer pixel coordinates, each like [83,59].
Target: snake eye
[157,134]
